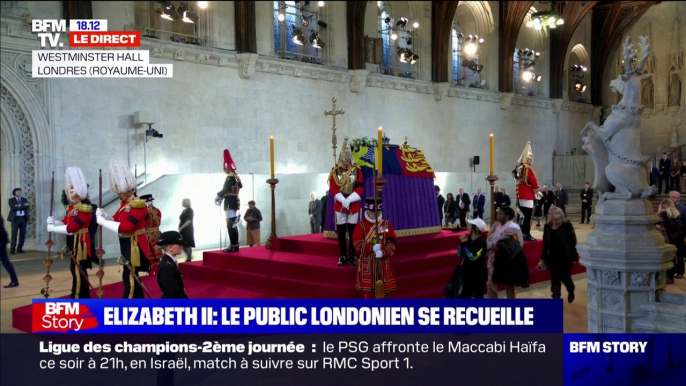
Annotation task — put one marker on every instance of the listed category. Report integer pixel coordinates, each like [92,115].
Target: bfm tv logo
[62,317]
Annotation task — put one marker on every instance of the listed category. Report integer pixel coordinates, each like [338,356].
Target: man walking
[19,217]
[561,198]
[14,282]
[315,212]
[586,203]
[253,217]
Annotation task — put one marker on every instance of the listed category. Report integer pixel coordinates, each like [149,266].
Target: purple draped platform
[409,203]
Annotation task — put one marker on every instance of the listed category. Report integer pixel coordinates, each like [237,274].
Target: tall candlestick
[380,156]
[271,154]
[492,163]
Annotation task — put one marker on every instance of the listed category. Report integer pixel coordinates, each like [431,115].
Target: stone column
[626,259]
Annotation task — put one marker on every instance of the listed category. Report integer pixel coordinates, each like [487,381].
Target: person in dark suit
[19,217]
[169,276]
[449,209]
[561,198]
[548,200]
[14,282]
[586,203]
[325,201]
[479,203]
[463,203]
[315,212]
[664,168]
[501,199]
[441,201]
[653,175]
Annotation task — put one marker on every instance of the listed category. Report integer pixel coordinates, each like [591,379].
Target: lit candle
[271,153]
[491,136]
[380,156]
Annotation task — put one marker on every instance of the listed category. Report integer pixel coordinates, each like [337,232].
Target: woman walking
[559,252]
[672,227]
[473,252]
[449,209]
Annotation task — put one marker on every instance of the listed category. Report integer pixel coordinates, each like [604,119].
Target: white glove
[101,213]
[61,229]
[376,247]
[379,254]
[112,226]
[346,203]
[100,219]
[50,221]
[339,197]
[218,200]
[354,197]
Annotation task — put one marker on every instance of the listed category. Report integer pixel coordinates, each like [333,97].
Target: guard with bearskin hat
[232,203]
[129,223]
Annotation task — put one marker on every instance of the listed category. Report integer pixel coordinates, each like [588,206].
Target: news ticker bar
[246,316]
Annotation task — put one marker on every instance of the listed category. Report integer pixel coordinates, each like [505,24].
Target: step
[666,309]
[652,324]
[672,298]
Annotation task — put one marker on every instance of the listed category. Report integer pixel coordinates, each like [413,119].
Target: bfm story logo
[62,317]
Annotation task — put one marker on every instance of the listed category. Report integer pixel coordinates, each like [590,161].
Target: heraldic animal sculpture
[615,147]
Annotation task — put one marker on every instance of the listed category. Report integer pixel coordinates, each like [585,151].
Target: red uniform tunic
[152,230]
[527,183]
[346,182]
[370,269]
[77,220]
[131,218]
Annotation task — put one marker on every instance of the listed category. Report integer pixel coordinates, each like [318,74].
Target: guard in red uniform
[152,231]
[75,225]
[129,223]
[232,203]
[375,250]
[527,186]
[347,185]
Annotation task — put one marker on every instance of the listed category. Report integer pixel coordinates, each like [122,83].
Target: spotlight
[538,54]
[481,41]
[167,4]
[298,37]
[403,55]
[538,26]
[527,76]
[182,8]
[281,17]
[583,89]
[387,20]
[470,49]
[577,86]
[414,58]
[402,22]
[153,133]
[409,41]
[415,25]
[394,36]
[320,4]
[538,79]
[552,26]
[530,23]
[316,40]
[460,35]
[202,4]
[190,17]
[560,22]
[584,68]
[322,24]
[304,22]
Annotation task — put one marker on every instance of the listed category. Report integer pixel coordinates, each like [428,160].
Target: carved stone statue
[647,93]
[616,146]
[674,90]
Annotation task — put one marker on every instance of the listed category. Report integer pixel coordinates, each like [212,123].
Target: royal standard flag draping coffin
[409,196]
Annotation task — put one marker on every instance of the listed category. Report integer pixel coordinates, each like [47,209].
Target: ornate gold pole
[333,112]
[272,183]
[48,260]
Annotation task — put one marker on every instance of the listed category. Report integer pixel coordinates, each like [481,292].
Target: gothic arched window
[457,56]
[385,24]
[283,30]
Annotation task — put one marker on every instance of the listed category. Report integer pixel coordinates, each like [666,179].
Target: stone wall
[220,99]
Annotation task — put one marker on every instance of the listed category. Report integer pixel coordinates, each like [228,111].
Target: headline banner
[246,316]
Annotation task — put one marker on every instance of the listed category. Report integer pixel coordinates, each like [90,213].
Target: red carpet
[305,267]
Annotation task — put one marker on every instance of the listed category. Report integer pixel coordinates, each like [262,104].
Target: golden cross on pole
[334,112]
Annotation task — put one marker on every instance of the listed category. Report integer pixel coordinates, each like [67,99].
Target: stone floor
[30,270]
